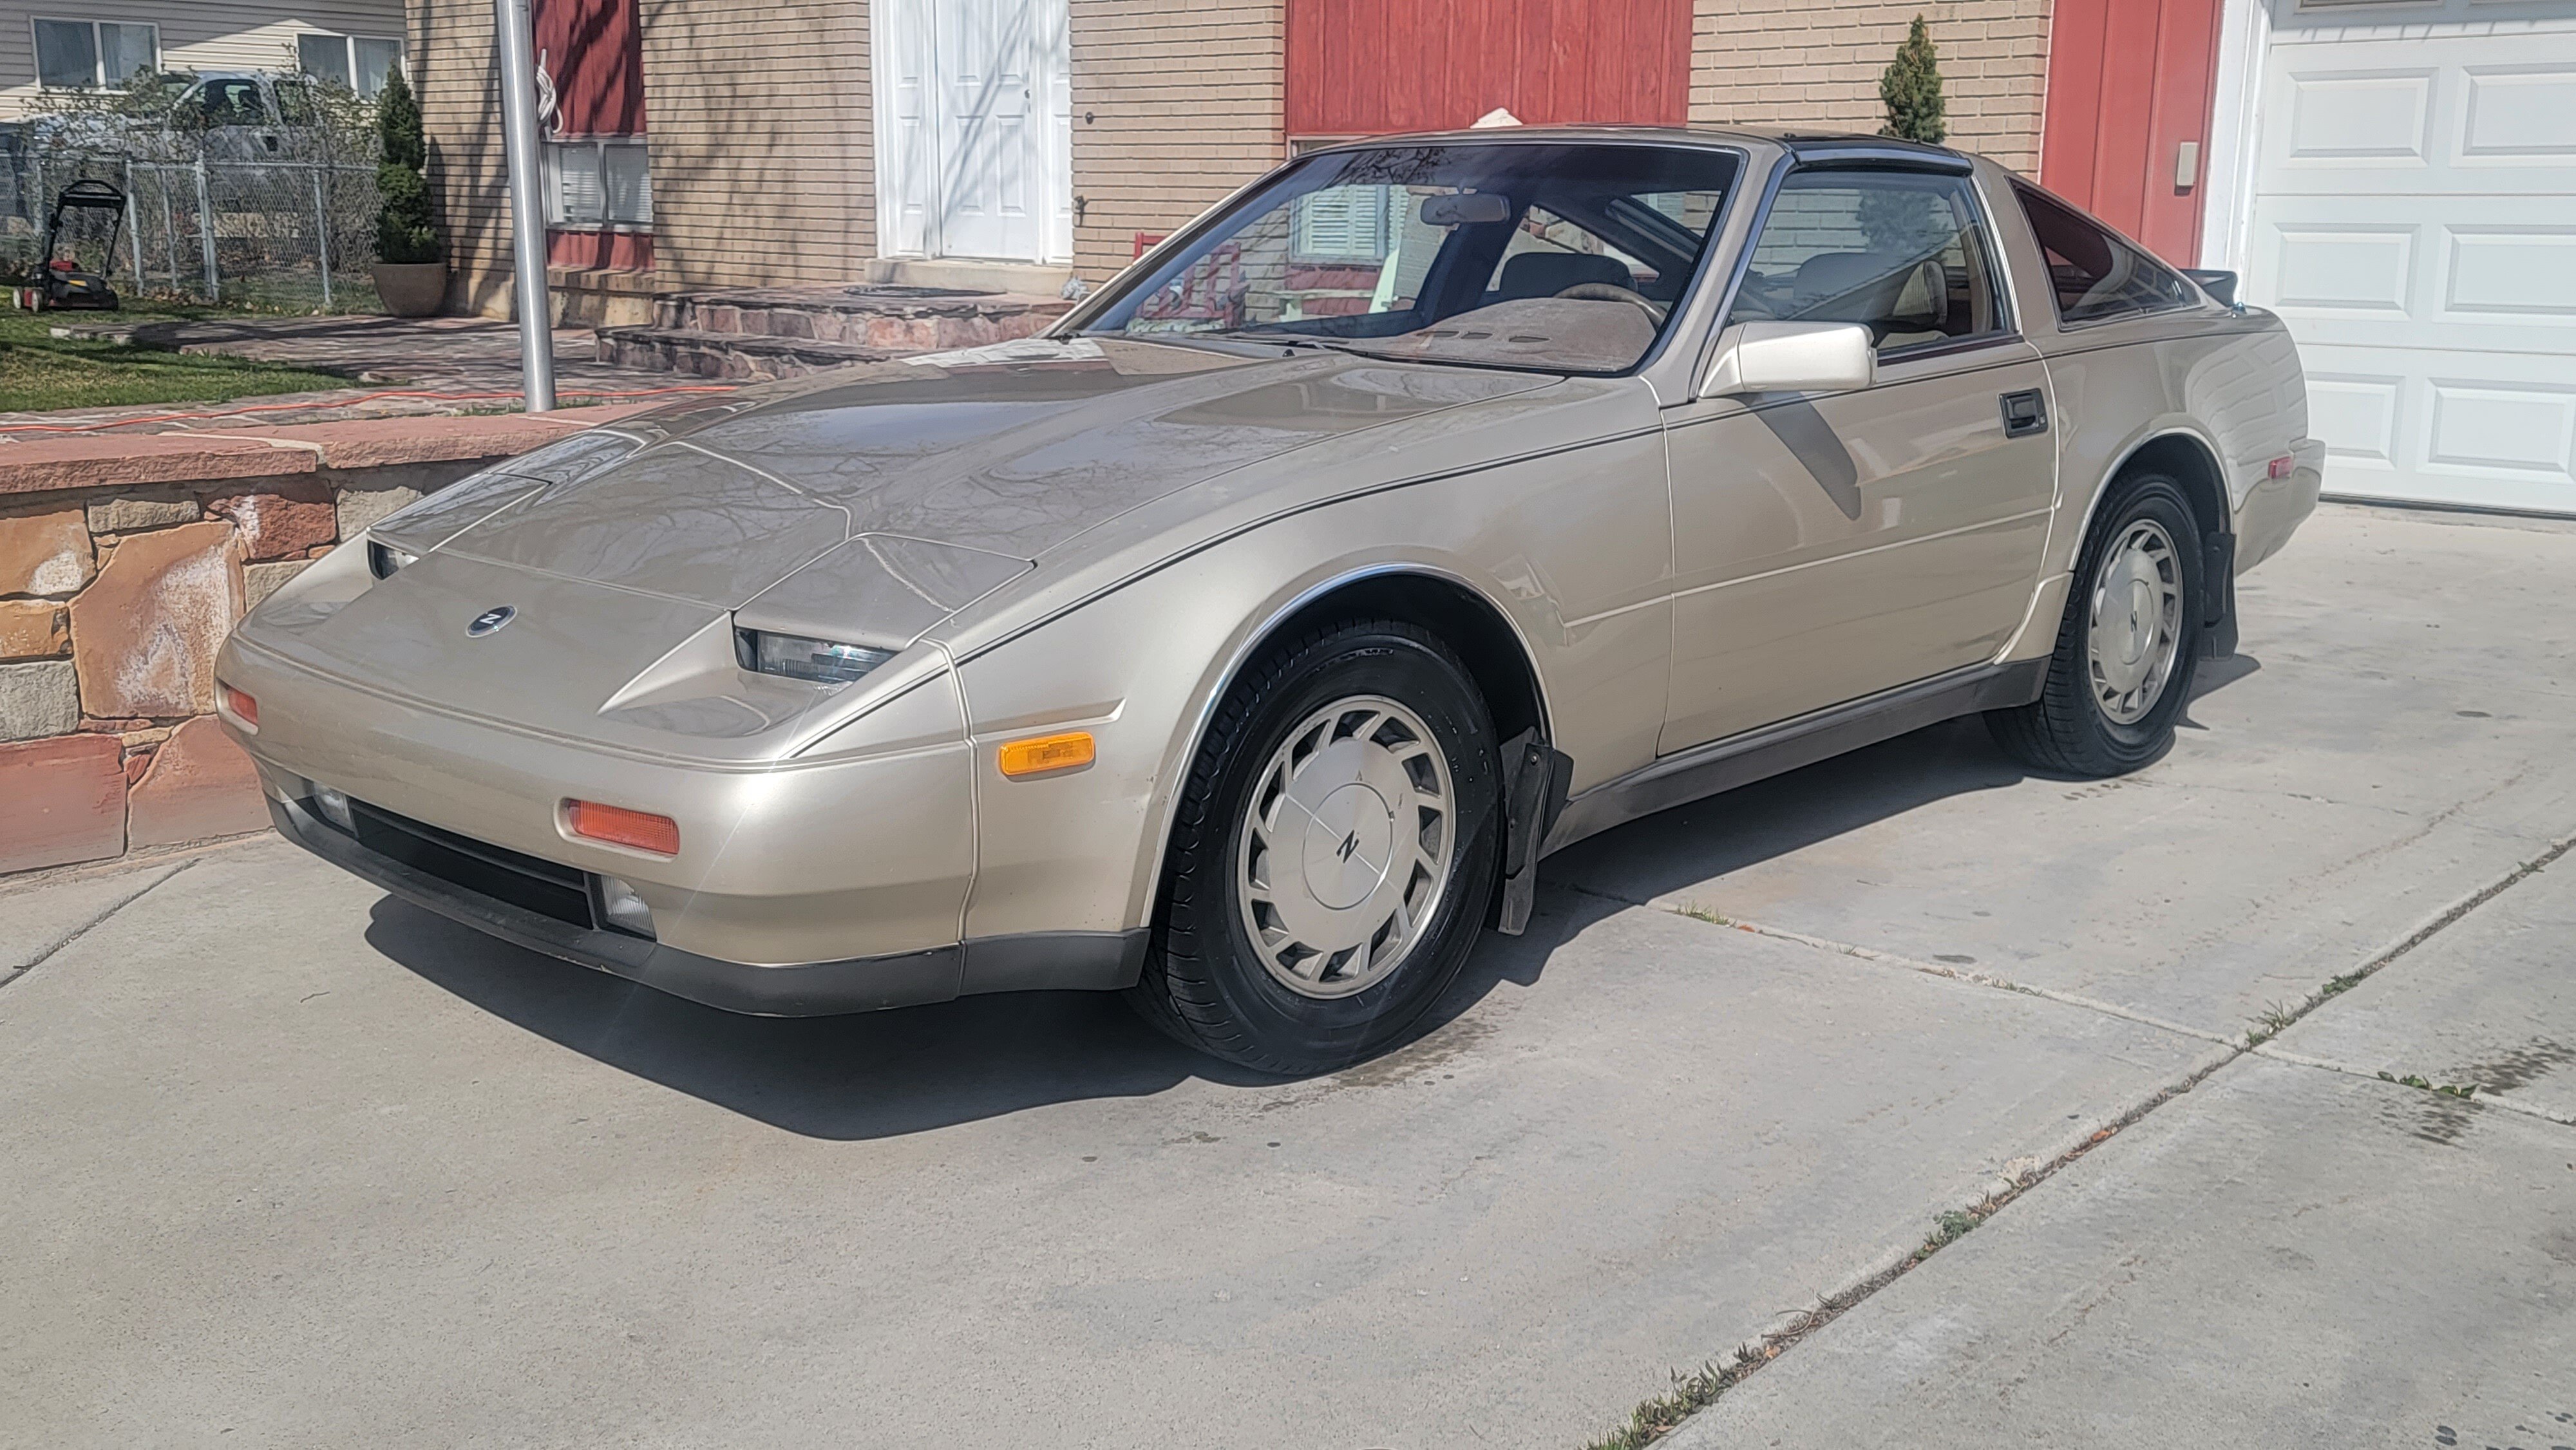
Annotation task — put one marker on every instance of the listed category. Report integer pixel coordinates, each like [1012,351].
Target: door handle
[2025,413]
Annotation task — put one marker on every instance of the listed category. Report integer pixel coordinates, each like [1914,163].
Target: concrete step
[899,318]
[1028,278]
[699,352]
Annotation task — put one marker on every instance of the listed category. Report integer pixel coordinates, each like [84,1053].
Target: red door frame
[2129,83]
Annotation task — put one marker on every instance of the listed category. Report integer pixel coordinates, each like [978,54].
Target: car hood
[1010,450]
[867,506]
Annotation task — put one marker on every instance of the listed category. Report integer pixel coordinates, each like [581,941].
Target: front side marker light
[1046,754]
[798,657]
[618,826]
[242,708]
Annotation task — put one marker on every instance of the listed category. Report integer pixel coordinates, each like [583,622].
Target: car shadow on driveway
[884,1074]
[1692,844]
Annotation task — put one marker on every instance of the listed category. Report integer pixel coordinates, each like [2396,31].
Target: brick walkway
[406,366]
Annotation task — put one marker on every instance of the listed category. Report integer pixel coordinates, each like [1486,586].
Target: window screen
[2095,275]
[66,53]
[324,57]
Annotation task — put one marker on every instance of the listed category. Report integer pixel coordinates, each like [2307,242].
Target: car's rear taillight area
[618,826]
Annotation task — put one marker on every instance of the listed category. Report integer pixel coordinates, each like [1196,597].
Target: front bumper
[1093,961]
[859,984]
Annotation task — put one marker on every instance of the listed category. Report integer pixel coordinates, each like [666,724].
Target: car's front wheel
[1332,855]
[2128,645]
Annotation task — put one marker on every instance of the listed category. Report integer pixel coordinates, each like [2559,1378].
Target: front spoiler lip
[813,989]
[1042,961]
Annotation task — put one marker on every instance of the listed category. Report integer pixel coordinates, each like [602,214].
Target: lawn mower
[62,281]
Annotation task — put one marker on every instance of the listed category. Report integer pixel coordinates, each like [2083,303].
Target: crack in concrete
[84,929]
[1656,1418]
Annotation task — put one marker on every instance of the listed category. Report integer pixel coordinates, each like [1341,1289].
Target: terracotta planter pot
[411,289]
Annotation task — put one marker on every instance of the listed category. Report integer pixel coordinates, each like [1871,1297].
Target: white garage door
[2414,220]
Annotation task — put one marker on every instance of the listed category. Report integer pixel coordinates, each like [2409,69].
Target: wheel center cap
[2142,621]
[1348,845]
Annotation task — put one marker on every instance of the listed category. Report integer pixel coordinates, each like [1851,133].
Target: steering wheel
[1613,292]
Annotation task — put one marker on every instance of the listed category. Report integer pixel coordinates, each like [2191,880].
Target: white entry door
[974,129]
[2414,220]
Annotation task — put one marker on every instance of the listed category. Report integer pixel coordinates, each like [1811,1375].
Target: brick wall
[454,70]
[759,112]
[1175,104]
[1817,63]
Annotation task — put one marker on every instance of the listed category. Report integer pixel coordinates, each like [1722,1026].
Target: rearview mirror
[1466,208]
[1792,357]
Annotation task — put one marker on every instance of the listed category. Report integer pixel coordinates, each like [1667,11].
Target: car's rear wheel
[2128,645]
[1332,854]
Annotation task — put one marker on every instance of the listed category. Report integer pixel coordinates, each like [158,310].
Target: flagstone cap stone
[145,634]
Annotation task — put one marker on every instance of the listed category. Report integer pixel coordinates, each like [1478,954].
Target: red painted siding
[596,251]
[1364,67]
[2129,81]
[595,54]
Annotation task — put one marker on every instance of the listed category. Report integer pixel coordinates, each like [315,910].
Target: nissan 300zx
[1245,642]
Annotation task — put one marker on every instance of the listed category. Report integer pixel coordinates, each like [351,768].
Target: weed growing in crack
[2446,1089]
[1697,912]
[2336,985]
[2269,1023]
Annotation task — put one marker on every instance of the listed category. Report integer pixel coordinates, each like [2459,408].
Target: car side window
[1905,253]
[2095,275]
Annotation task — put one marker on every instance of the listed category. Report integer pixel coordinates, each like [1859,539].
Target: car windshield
[1554,257]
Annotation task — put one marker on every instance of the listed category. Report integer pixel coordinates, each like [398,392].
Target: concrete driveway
[292,1163]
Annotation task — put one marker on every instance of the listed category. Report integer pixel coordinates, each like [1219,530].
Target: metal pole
[322,237]
[206,234]
[169,225]
[527,202]
[134,227]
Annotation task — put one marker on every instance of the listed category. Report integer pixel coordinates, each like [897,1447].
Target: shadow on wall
[888,1074]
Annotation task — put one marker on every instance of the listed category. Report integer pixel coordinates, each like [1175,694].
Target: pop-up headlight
[799,658]
[383,558]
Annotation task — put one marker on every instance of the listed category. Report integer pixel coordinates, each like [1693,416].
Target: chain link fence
[208,217]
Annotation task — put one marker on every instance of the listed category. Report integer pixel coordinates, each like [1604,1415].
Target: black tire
[1203,982]
[2066,730]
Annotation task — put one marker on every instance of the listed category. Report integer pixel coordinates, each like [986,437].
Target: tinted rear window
[2096,275]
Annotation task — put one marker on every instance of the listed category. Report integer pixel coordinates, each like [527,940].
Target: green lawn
[39,371]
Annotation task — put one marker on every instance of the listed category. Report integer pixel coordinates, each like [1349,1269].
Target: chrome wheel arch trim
[1224,678]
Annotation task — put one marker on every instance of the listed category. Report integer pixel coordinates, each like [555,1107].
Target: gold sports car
[1245,642]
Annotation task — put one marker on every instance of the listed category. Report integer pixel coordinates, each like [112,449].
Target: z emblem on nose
[1350,843]
[490,621]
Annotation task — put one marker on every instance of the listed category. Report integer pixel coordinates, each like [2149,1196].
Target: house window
[72,54]
[599,183]
[360,62]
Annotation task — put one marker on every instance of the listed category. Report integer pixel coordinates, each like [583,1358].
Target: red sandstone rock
[199,784]
[44,553]
[144,635]
[65,801]
[33,629]
[274,526]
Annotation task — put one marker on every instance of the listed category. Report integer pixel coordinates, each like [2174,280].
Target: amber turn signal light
[1043,753]
[242,706]
[619,826]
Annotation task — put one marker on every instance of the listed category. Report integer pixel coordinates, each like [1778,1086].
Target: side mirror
[1792,357]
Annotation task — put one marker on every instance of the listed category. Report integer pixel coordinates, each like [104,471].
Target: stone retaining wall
[124,561]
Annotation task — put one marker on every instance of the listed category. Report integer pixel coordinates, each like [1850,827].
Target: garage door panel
[2451,427]
[2414,221]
